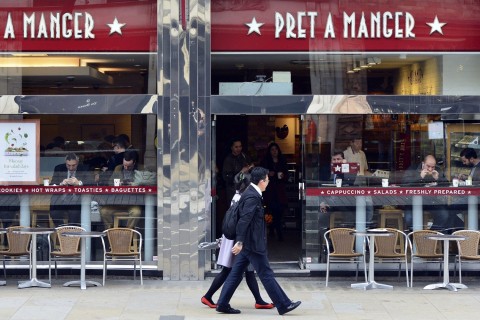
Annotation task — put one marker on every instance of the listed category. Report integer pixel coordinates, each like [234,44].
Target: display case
[460,136]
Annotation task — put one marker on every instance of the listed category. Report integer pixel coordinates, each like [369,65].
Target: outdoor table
[3,231]
[446,238]
[371,283]
[83,236]
[34,282]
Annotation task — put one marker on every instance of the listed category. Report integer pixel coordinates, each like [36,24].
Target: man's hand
[237,248]
[423,173]
[435,174]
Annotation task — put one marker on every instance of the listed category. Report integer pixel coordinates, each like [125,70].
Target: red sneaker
[264,306]
[208,302]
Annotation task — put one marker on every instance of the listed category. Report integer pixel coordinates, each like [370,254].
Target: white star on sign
[116,26]
[254,26]
[337,168]
[436,26]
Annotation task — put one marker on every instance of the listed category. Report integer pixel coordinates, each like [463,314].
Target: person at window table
[119,146]
[126,174]
[326,205]
[67,206]
[354,153]
[428,174]
[468,156]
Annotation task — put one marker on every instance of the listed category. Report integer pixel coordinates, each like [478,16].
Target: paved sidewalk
[180,300]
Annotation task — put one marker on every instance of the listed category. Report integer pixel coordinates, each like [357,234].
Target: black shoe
[228,310]
[291,307]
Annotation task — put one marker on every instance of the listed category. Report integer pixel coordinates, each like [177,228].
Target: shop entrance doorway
[256,132]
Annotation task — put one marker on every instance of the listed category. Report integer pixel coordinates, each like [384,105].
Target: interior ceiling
[108,70]
[303,61]
[96,70]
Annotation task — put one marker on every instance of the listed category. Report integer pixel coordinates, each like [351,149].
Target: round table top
[34,230]
[83,234]
[374,232]
[445,237]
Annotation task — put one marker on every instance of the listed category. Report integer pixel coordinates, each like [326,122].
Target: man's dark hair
[258,174]
[338,152]
[124,137]
[71,156]
[120,142]
[131,155]
[233,140]
[468,153]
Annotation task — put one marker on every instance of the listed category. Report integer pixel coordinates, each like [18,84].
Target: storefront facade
[187,77]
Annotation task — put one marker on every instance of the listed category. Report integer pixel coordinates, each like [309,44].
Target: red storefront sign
[393,191]
[78,190]
[346,26]
[128,26]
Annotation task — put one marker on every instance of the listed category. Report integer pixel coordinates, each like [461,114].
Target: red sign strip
[346,26]
[393,191]
[127,26]
[78,190]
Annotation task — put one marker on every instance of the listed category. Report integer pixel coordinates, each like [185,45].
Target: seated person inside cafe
[125,174]
[331,204]
[469,158]
[65,208]
[428,174]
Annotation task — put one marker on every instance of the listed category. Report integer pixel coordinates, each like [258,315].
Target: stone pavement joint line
[125,299]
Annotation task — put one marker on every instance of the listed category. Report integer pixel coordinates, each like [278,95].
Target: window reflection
[407,171]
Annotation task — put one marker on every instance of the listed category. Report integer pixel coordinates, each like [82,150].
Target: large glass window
[407,171]
[401,73]
[96,171]
[78,73]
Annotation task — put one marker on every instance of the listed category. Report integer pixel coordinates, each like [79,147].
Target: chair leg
[406,273]
[411,274]
[328,271]
[141,271]
[356,272]
[399,270]
[134,269]
[104,270]
[4,270]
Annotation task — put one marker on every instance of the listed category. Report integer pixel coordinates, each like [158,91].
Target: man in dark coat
[69,174]
[251,247]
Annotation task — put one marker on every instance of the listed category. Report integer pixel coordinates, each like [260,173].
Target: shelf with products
[460,136]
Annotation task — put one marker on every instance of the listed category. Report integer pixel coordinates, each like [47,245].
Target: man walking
[251,247]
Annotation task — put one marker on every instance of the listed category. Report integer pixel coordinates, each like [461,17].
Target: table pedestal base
[83,284]
[371,285]
[450,286]
[34,282]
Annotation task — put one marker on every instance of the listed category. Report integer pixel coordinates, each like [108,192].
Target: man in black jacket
[251,247]
[69,174]
[428,174]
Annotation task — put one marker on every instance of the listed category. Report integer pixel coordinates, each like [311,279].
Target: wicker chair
[343,242]
[424,250]
[387,250]
[125,244]
[18,246]
[68,247]
[467,249]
